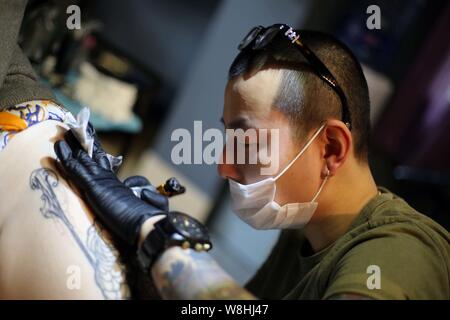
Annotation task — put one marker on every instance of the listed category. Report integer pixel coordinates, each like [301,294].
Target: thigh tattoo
[102,256]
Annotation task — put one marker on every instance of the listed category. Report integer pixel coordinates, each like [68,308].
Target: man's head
[276,88]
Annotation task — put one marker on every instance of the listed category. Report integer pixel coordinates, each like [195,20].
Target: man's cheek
[269,153]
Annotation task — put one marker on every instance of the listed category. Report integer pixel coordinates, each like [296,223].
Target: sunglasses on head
[260,37]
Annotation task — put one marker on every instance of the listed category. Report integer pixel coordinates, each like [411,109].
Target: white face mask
[255,203]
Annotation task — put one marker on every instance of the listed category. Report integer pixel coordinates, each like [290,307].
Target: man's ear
[338,144]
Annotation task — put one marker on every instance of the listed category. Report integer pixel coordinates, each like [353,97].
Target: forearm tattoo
[187,274]
[102,256]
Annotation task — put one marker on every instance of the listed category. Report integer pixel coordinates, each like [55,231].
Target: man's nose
[227,170]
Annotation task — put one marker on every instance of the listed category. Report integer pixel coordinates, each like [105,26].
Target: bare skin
[50,245]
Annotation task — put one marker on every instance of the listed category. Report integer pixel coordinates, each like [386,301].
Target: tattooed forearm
[187,274]
[109,276]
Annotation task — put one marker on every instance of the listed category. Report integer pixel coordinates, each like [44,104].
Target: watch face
[188,226]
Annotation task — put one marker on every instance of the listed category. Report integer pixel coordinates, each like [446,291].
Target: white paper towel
[79,127]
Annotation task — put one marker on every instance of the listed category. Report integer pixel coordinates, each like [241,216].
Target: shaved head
[305,98]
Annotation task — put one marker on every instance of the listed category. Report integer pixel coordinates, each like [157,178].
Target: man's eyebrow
[238,123]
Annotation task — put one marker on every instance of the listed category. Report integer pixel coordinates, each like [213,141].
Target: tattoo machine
[170,188]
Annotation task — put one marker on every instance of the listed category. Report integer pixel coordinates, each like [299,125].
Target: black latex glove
[111,200]
[153,198]
[98,154]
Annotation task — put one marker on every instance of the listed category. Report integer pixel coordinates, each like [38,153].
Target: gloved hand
[153,198]
[111,200]
[99,155]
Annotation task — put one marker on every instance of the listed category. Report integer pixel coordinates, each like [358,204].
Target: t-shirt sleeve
[395,262]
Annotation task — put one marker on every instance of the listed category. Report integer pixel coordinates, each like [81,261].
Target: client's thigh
[50,245]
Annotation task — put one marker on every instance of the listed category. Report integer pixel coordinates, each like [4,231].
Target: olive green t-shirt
[390,251]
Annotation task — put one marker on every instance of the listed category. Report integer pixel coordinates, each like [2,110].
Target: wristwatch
[176,229]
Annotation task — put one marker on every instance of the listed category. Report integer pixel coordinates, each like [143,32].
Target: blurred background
[147,67]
